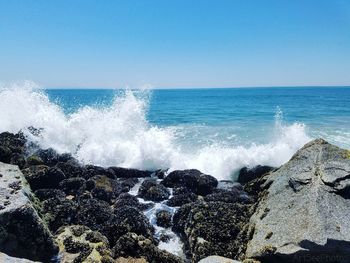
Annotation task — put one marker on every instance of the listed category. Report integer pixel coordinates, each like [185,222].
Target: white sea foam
[120,135]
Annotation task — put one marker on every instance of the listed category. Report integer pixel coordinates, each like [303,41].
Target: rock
[151,190]
[194,180]
[228,196]
[126,199]
[12,143]
[93,170]
[104,188]
[163,218]
[181,196]
[128,183]
[138,246]
[19,219]
[127,219]
[129,173]
[34,160]
[73,186]
[80,244]
[305,209]
[44,194]
[217,259]
[48,156]
[59,212]
[130,260]
[213,228]
[43,177]
[93,213]
[7,259]
[71,168]
[248,174]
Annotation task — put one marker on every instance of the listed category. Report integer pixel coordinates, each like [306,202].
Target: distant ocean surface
[217,131]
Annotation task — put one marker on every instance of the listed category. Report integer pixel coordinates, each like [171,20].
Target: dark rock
[13,142]
[104,188]
[248,174]
[181,196]
[49,156]
[197,182]
[42,176]
[151,190]
[18,159]
[163,218]
[126,199]
[213,228]
[59,212]
[5,154]
[127,219]
[129,173]
[22,231]
[93,170]
[73,186]
[71,168]
[44,194]
[228,196]
[135,245]
[128,183]
[93,213]
[34,160]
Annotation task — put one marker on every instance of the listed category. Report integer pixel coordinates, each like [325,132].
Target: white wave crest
[120,135]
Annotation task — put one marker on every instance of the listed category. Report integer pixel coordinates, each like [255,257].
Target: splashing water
[120,135]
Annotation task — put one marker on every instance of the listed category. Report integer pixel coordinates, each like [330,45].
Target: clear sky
[175,43]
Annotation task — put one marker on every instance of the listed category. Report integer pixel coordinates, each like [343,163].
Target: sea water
[217,131]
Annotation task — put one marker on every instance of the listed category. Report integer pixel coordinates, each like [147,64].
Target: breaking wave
[120,135]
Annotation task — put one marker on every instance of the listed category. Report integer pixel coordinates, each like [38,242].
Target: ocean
[217,131]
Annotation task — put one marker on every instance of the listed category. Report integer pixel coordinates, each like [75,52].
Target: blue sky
[178,43]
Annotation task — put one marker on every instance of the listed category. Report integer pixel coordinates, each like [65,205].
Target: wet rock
[127,219]
[13,142]
[34,160]
[197,182]
[5,154]
[71,168]
[79,244]
[43,177]
[151,190]
[59,212]
[128,183]
[73,186]
[163,218]
[93,213]
[304,210]
[19,219]
[248,174]
[129,173]
[138,246]
[104,188]
[48,156]
[126,199]
[44,194]
[213,228]
[181,196]
[228,196]
[93,170]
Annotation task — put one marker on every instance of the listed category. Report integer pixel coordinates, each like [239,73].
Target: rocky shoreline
[54,209]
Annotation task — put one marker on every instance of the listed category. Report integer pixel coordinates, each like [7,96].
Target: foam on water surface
[121,135]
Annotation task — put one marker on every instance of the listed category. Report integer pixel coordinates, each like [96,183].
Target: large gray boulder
[22,232]
[304,213]
[7,259]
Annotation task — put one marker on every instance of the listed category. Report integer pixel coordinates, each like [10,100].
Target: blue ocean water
[243,114]
[215,130]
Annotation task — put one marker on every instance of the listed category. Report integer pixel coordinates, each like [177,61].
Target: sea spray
[120,135]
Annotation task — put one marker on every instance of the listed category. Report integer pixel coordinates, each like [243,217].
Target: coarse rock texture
[129,173]
[194,180]
[7,259]
[153,191]
[19,219]
[163,218]
[138,246]
[12,148]
[213,228]
[248,174]
[79,244]
[130,260]
[217,259]
[303,214]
